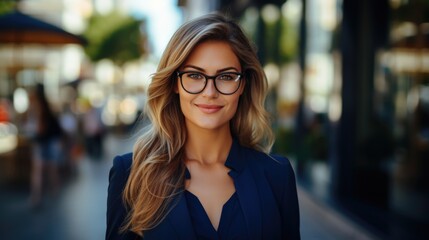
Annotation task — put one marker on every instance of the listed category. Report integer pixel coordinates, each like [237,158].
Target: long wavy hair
[158,170]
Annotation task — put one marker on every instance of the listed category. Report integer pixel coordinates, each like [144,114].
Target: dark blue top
[231,225]
[232,222]
[264,186]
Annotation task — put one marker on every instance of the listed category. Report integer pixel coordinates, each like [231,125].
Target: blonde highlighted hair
[157,172]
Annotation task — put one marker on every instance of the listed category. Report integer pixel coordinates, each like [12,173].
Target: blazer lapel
[246,188]
[180,219]
[248,196]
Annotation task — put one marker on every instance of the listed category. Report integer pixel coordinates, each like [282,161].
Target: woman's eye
[226,77]
[195,76]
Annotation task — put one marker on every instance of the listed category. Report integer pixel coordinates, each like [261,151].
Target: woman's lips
[205,108]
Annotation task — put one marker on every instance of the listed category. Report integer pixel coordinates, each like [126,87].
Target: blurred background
[349,92]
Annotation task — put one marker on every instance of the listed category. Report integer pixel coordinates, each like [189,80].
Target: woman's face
[210,109]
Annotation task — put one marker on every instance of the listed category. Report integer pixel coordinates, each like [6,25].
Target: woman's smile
[209,108]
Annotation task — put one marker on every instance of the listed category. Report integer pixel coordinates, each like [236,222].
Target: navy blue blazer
[265,186]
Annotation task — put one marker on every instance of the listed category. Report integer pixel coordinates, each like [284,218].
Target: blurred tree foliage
[288,41]
[277,42]
[114,36]
[281,41]
[7,6]
[284,142]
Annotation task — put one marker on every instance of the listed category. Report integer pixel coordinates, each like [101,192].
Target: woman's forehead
[210,55]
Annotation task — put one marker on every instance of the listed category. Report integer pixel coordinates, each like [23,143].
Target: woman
[46,132]
[201,170]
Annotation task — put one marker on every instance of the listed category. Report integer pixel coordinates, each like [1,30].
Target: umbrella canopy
[17,27]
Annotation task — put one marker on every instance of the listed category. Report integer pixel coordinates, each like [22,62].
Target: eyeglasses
[226,83]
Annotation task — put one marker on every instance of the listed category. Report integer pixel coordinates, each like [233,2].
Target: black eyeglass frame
[207,78]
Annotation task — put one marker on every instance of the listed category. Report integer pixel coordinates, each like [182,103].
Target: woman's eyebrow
[203,70]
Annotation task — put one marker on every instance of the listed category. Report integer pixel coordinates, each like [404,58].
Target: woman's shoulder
[123,161]
[267,160]
[278,172]
[121,167]
[116,208]
[276,168]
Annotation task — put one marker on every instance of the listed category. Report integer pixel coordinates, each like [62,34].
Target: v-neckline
[206,216]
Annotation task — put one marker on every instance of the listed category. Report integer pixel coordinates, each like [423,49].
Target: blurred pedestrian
[70,143]
[46,136]
[202,170]
[93,130]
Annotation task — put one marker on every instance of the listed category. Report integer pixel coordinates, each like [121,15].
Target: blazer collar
[235,161]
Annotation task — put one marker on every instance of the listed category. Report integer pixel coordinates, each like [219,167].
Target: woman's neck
[208,147]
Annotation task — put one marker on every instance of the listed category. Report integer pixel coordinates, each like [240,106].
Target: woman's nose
[210,89]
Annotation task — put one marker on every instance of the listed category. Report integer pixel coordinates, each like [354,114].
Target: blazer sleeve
[288,200]
[116,210]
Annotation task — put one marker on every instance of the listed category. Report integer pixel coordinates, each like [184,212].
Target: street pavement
[78,211]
